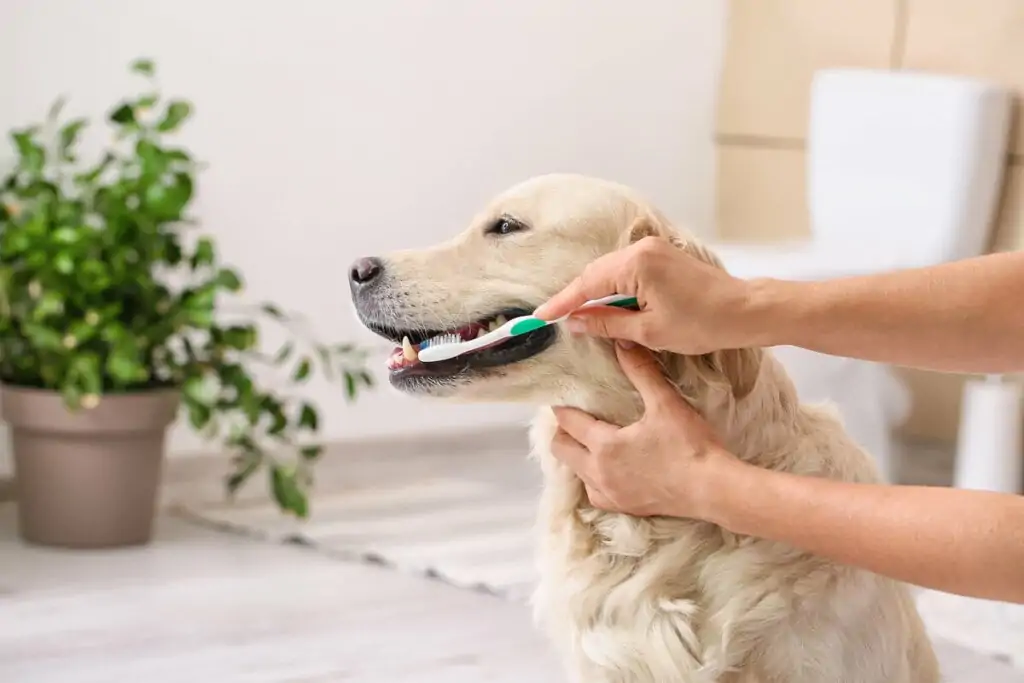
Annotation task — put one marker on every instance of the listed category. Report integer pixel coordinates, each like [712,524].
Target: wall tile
[774,46]
[1009,235]
[761,194]
[981,38]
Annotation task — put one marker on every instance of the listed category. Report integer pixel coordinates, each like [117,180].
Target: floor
[202,605]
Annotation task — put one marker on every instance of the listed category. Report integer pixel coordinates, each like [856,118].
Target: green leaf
[32,155]
[194,389]
[177,112]
[350,386]
[144,66]
[273,311]
[43,338]
[167,201]
[311,453]
[279,421]
[198,307]
[123,114]
[56,108]
[72,396]
[124,366]
[287,491]
[66,235]
[69,137]
[247,466]
[85,371]
[204,255]
[80,331]
[303,371]
[154,162]
[240,337]
[64,263]
[308,417]
[284,353]
[199,415]
[229,279]
[50,304]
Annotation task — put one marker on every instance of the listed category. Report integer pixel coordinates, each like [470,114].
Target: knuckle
[648,250]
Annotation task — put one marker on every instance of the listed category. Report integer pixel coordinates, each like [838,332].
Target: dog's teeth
[499,321]
[481,332]
[408,351]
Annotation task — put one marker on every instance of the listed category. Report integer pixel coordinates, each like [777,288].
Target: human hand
[687,306]
[664,464]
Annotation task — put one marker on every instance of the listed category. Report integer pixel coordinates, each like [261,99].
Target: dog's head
[529,243]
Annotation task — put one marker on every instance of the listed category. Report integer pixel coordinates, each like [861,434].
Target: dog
[627,599]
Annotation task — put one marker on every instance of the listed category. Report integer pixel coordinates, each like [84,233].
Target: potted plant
[113,314]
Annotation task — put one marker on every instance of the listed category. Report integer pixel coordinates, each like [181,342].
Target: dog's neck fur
[771,405]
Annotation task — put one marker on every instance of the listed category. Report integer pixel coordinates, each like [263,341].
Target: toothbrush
[447,346]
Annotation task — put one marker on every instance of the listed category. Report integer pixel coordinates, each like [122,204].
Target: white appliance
[991,437]
[904,170]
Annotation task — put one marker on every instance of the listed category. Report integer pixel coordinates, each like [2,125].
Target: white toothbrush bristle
[441,340]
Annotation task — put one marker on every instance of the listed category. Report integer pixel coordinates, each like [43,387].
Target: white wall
[337,128]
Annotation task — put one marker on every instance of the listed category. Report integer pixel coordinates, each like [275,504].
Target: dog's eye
[505,226]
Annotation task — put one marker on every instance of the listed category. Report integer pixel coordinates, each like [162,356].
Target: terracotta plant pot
[87,479]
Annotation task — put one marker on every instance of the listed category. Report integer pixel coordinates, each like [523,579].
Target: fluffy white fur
[630,600]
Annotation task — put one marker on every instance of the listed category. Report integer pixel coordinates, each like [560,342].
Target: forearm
[957,541]
[965,316]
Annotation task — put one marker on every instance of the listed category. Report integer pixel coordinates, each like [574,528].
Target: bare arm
[966,316]
[904,532]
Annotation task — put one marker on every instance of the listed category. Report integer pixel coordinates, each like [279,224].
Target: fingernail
[625,343]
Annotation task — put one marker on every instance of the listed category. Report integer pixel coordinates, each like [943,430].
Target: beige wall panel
[761,194]
[935,411]
[774,46]
[981,38]
[1009,234]
[936,396]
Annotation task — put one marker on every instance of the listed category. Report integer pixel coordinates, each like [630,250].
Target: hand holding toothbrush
[686,306]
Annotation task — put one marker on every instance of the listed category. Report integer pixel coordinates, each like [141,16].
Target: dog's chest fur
[629,600]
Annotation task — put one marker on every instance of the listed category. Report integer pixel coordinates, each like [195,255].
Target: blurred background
[334,130]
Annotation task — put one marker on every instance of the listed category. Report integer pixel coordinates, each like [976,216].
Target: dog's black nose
[365,270]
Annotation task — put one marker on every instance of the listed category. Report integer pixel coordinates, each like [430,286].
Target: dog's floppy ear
[738,368]
[652,224]
[648,224]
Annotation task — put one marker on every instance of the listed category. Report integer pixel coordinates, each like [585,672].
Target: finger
[598,499]
[647,375]
[597,280]
[572,454]
[583,427]
[612,323]
[569,299]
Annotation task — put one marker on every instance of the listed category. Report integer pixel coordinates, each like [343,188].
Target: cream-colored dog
[631,600]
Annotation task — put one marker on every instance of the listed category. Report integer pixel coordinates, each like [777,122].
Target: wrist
[715,498]
[774,310]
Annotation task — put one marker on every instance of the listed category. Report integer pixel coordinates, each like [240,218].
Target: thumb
[647,375]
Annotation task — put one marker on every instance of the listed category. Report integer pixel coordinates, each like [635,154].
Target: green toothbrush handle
[628,302]
[529,324]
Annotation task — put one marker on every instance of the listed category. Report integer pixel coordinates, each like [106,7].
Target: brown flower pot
[88,478]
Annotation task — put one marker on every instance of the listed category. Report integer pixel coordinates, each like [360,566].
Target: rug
[476,534]
[463,532]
